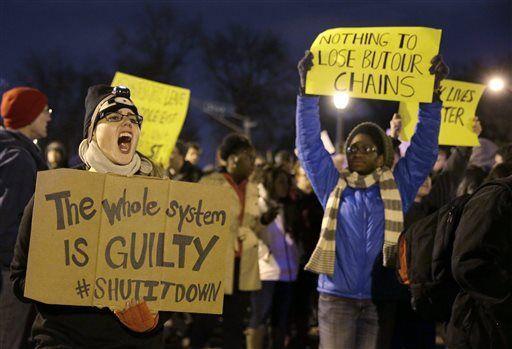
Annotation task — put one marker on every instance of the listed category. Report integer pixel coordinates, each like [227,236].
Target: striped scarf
[323,257]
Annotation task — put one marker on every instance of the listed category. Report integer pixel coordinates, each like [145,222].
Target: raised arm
[412,170]
[315,160]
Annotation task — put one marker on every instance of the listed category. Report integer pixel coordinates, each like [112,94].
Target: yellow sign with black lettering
[164,108]
[376,63]
[460,100]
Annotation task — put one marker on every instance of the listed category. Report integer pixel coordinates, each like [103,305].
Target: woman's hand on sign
[395,126]
[477,126]
[137,316]
[439,69]
[304,66]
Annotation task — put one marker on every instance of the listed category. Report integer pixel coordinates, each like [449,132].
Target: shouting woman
[111,132]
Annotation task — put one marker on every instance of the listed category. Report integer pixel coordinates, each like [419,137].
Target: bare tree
[157,50]
[157,47]
[66,86]
[158,44]
[254,72]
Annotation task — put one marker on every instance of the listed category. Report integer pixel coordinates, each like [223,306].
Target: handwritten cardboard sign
[101,239]
[164,108]
[375,63]
[460,100]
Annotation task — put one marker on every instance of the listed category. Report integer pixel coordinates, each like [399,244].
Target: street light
[496,84]
[340,102]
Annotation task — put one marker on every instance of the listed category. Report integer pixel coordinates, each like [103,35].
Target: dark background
[242,53]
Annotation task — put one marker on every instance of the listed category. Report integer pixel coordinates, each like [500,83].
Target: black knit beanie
[232,144]
[99,94]
[380,138]
[181,147]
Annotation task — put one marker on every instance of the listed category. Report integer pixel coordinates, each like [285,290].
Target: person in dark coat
[183,170]
[25,115]
[111,133]
[500,171]
[180,169]
[481,265]
[411,331]
[435,193]
[305,297]
[473,178]
[56,155]
[503,154]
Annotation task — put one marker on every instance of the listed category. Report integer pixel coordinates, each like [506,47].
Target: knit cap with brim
[386,147]
[96,95]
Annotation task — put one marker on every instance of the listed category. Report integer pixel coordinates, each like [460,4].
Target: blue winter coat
[360,229]
[20,159]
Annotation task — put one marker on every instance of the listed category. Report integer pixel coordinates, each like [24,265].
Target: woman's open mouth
[124,142]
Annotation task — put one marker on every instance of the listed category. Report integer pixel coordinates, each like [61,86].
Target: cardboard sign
[375,63]
[101,240]
[163,107]
[460,100]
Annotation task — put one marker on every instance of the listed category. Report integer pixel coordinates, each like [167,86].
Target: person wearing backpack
[482,266]
[364,207]
[412,329]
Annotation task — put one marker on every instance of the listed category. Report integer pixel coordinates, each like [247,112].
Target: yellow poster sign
[102,240]
[163,107]
[460,100]
[376,63]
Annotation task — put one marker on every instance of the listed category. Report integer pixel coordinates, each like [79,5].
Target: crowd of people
[313,249]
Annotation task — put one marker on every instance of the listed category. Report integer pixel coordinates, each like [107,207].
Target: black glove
[441,71]
[303,66]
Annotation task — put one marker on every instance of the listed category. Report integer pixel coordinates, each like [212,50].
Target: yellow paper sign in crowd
[113,239]
[163,107]
[377,63]
[460,100]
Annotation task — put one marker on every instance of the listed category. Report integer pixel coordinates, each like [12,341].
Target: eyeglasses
[116,117]
[48,110]
[362,149]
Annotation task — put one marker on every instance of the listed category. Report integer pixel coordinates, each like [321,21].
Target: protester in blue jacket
[364,207]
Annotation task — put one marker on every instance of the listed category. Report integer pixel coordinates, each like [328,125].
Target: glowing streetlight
[341,100]
[496,84]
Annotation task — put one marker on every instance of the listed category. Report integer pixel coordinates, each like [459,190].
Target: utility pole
[225,114]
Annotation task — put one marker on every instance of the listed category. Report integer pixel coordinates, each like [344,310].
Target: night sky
[472,30]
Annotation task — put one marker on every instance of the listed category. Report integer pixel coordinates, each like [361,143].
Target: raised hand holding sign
[458,125]
[377,63]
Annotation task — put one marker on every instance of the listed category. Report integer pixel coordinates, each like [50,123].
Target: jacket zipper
[361,279]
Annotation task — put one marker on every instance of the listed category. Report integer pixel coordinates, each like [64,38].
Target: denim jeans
[347,323]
